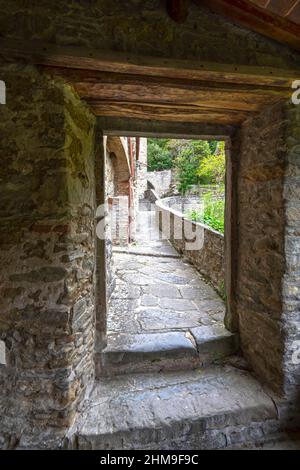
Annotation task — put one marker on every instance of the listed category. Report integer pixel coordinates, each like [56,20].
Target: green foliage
[212,168]
[195,161]
[159,155]
[187,162]
[213,146]
[222,291]
[212,213]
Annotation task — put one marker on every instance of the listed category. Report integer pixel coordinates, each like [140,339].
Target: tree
[195,161]
[213,146]
[212,168]
[187,162]
[159,155]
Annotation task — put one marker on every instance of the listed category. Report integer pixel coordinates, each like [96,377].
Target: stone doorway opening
[165,269]
[169,367]
[134,72]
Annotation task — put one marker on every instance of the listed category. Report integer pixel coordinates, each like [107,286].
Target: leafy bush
[212,213]
[187,163]
[212,168]
[159,156]
[195,161]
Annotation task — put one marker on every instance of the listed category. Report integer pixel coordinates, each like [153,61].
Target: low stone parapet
[201,245]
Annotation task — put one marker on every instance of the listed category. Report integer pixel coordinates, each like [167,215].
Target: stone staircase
[214,408]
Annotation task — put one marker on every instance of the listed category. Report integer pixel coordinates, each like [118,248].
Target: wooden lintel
[109,61]
[162,96]
[124,126]
[204,106]
[98,78]
[168,113]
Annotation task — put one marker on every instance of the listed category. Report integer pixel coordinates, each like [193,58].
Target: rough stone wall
[117,187]
[119,217]
[141,170]
[117,157]
[161,180]
[202,246]
[110,174]
[261,243]
[151,196]
[47,257]
[183,204]
[110,190]
[140,27]
[291,280]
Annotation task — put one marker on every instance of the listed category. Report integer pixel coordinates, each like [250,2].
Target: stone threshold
[214,408]
[167,351]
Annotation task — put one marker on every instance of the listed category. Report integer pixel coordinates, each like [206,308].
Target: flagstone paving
[161,292]
[168,379]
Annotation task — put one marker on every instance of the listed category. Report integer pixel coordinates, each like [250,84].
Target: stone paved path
[159,293]
[162,384]
[201,409]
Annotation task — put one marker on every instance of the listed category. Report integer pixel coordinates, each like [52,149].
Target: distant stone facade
[161,181]
[141,169]
[183,203]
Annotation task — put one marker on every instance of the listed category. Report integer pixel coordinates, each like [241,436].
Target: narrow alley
[162,314]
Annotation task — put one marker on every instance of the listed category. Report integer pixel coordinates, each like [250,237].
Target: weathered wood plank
[165,95]
[93,77]
[125,126]
[131,88]
[75,57]
[167,112]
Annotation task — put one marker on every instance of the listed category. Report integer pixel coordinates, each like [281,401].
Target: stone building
[124,185]
[75,72]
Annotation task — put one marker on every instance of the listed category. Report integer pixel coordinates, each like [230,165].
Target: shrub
[159,156]
[212,213]
[212,168]
[187,163]
[196,161]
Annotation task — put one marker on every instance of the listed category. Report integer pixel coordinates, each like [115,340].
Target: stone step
[166,351]
[210,408]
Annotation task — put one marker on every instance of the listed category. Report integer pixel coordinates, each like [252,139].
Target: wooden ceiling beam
[78,58]
[103,86]
[160,95]
[91,79]
[124,126]
[167,113]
